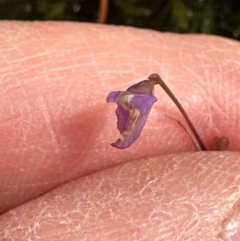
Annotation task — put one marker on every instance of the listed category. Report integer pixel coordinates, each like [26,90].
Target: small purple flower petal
[113,96]
[132,113]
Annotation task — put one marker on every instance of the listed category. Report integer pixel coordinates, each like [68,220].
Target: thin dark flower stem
[192,137]
[177,103]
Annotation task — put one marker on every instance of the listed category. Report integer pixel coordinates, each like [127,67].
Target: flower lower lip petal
[132,113]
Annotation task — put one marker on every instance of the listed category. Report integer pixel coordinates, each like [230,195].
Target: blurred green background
[219,17]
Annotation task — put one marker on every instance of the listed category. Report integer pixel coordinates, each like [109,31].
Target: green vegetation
[220,17]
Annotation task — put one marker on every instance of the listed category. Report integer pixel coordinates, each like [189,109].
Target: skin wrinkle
[75,98]
[95,202]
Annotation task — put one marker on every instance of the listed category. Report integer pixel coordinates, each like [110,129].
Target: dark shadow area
[219,17]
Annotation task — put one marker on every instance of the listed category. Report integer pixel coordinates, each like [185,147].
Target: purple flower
[133,108]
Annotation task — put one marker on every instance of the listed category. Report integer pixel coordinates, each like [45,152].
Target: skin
[56,127]
[158,79]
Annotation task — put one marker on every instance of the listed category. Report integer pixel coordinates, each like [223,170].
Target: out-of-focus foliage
[220,17]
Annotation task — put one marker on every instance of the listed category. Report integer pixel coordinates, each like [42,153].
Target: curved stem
[177,103]
[192,137]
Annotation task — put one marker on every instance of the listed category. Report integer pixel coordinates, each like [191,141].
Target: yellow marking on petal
[124,101]
[133,118]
